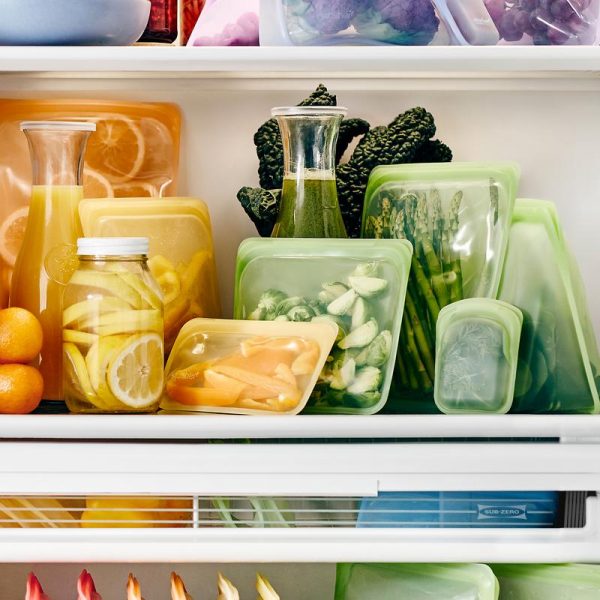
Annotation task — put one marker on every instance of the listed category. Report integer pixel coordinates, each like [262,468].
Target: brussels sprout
[316,306]
[360,313]
[343,304]
[377,352]
[366,270]
[343,376]
[361,337]
[302,312]
[367,287]
[284,307]
[332,291]
[267,305]
[367,379]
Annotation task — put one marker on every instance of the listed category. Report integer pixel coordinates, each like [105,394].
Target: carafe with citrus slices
[112,329]
[47,257]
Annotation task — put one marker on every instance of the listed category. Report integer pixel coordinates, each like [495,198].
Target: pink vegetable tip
[134,591]
[86,590]
[34,589]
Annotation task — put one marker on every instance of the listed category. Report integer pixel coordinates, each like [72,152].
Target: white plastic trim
[359,469]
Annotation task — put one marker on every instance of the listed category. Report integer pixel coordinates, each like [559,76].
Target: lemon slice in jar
[77,374]
[135,373]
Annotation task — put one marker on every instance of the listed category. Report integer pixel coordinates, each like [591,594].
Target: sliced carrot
[269,383]
[198,396]
[193,374]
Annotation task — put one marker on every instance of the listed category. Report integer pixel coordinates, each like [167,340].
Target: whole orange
[20,336]
[21,389]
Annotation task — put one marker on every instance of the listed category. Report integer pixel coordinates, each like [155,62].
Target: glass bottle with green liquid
[309,203]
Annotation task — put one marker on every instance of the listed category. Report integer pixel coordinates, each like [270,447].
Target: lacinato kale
[406,139]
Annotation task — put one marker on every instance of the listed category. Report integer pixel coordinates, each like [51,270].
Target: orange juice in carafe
[47,257]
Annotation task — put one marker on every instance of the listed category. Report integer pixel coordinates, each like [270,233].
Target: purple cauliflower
[409,22]
[332,16]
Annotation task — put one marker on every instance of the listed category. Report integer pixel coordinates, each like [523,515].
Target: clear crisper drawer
[388,510]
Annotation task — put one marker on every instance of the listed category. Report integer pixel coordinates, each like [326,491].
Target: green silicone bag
[358,284]
[415,582]
[548,582]
[558,357]
[457,216]
[477,353]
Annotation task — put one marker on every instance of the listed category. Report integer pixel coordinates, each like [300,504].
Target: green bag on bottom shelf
[548,582]
[415,582]
[558,356]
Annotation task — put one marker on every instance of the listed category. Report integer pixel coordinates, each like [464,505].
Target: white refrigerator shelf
[272,61]
[565,428]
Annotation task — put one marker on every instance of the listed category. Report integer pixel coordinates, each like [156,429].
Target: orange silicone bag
[134,152]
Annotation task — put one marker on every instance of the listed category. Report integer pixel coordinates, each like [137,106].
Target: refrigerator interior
[549,125]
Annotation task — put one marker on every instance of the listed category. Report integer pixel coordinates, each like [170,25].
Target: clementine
[20,336]
[21,389]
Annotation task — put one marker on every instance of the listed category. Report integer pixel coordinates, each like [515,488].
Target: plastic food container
[181,255]
[356,22]
[477,352]
[415,581]
[559,364]
[242,367]
[68,23]
[427,22]
[550,582]
[112,329]
[460,509]
[457,216]
[572,22]
[146,163]
[358,284]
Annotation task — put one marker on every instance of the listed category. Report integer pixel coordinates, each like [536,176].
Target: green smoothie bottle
[309,202]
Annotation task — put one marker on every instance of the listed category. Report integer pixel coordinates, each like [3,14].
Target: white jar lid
[112,246]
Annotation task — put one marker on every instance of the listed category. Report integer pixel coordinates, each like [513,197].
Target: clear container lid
[477,353]
[112,246]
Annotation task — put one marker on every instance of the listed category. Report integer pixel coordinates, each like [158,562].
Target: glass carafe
[48,255]
[309,202]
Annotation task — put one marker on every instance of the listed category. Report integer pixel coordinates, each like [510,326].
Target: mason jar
[112,329]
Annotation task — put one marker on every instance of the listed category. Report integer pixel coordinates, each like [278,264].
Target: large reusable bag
[548,582]
[415,582]
[558,357]
[358,284]
[457,217]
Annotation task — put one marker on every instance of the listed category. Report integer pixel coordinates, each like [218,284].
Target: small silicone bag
[548,582]
[477,351]
[415,581]
[358,284]
[245,367]
[181,256]
[559,365]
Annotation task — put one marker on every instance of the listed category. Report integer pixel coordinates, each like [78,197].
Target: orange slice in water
[95,185]
[11,235]
[117,149]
